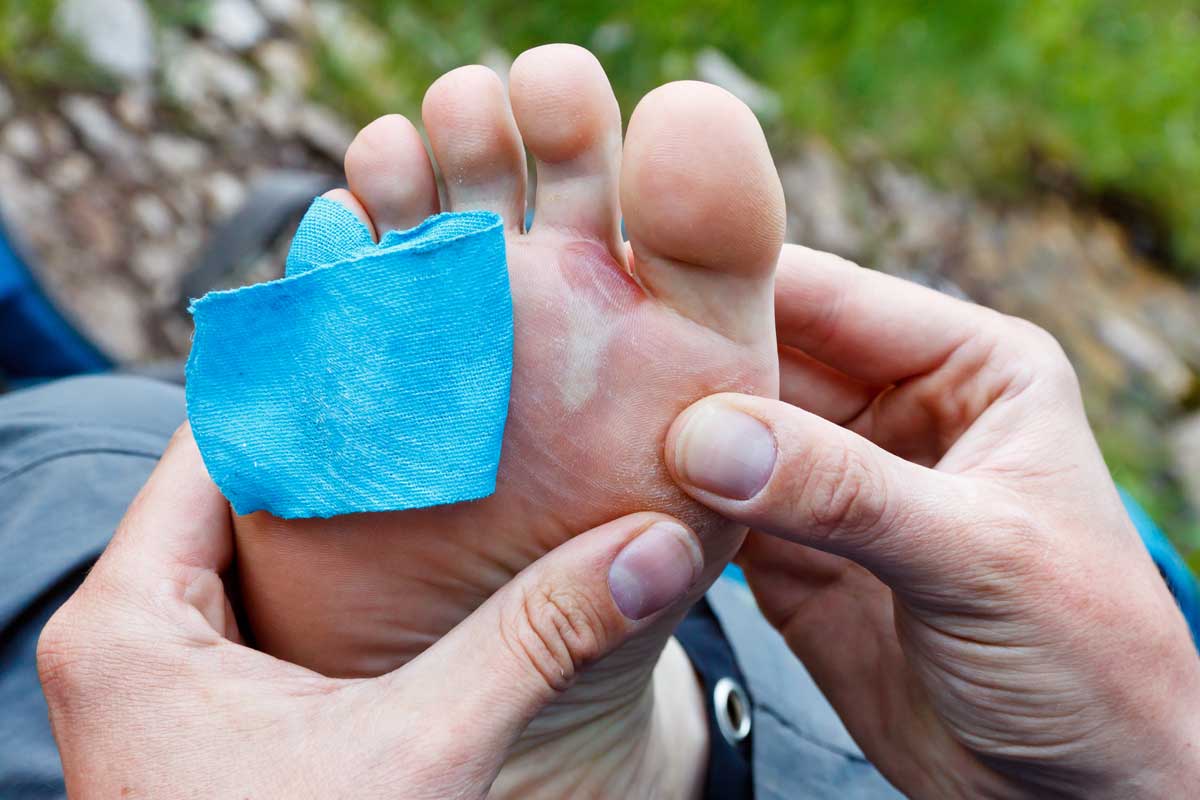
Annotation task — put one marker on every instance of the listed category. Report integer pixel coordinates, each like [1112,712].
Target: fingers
[820,389]
[178,519]
[797,476]
[530,640]
[875,328]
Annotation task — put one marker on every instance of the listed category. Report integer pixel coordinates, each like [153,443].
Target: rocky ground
[116,191]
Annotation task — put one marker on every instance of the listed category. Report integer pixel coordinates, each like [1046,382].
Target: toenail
[655,570]
[724,451]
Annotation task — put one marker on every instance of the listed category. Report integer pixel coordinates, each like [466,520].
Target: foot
[612,341]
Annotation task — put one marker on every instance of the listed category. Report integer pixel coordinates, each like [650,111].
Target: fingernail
[724,451]
[655,570]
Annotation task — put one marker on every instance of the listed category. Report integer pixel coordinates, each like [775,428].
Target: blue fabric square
[372,377]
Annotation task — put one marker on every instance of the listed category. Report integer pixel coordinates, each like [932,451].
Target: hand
[977,604]
[151,693]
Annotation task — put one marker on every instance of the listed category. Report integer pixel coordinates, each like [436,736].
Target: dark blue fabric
[35,340]
[729,774]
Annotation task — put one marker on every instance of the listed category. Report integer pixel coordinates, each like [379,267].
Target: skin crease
[612,341]
[151,693]
[1001,630]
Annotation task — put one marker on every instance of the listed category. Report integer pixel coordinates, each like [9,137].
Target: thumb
[178,519]
[522,648]
[792,474]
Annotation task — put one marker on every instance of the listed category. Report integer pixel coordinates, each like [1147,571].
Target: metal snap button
[732,707]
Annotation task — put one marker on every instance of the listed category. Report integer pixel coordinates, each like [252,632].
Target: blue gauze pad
[372,377]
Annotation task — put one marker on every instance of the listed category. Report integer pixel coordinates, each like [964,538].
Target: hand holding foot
[151,693]
[977,605]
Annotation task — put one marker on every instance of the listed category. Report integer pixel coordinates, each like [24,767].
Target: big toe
[703,208]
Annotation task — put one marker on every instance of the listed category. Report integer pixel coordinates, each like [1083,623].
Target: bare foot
[612,342]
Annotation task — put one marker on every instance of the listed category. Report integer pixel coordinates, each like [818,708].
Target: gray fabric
[800,747]
[74,453]
[72,456]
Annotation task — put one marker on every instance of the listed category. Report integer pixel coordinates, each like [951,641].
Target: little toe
[476,144]
[570,121]
[389,172]
[703,208]
[352,204]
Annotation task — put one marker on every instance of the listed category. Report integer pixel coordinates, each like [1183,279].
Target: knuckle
[1044,355]
[843,492]
[62,661]
[556,632]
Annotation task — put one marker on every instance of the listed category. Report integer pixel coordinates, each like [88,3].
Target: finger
[814,598]
[874,327]
[820,389]
[784,471]
[526,645]
[179,518]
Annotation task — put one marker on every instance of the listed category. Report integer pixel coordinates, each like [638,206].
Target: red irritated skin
[612,341]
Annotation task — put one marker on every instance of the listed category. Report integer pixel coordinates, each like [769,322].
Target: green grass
[999,94]
[34,58]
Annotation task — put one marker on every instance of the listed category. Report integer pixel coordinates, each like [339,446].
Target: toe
[703,207]
[476,144]
[353,205]
[570,121]
[389,172]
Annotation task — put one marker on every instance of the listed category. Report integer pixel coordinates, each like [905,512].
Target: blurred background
[1041,158]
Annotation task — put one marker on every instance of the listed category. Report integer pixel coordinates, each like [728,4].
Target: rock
[922,216]
[152,215]
[223,194]
[325,131]
[21,139]
[715,67]
[354,40]
[90,217]
[57,136]
[821,216]
[112,313]
[99,131]
[95,125]
[276,112]
[198,76]
[237,24]
[6,102]
[286,66]
[176,155]
[188,204]
[159,266]
[1184,443]
[1147,355]
[70,172]
[24,201]
[115,35]
[292,13]
[135,108]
